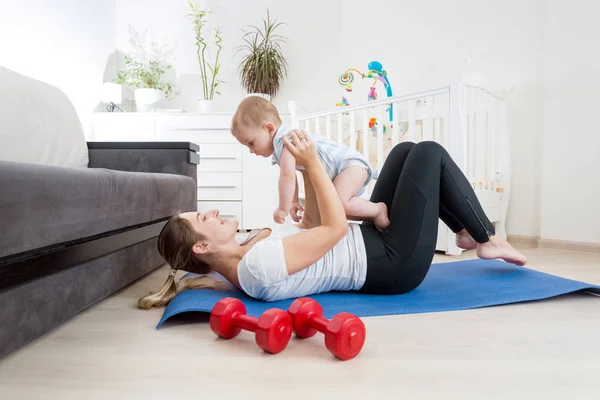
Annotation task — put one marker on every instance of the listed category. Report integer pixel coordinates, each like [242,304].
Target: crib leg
[452,249]
[500,227]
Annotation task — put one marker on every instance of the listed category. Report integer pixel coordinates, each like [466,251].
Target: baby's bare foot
[382,220]
[465,241]
[498,247]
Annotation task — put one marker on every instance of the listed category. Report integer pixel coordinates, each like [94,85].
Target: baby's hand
[295,208]
[279,216]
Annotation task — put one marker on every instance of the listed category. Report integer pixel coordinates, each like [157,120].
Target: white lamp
[112,94]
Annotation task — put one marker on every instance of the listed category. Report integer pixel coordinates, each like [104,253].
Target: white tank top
[262,272]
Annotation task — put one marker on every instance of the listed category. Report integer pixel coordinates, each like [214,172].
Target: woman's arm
[310,217]
[263,234]
[305,248]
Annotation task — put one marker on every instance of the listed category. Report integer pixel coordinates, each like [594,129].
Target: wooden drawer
[220,158]
[227,209]
[219,186]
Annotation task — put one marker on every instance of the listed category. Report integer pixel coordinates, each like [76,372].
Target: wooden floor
[538,350]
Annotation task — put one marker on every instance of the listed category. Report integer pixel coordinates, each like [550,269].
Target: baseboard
[568,245]
[529,241]
[536,241]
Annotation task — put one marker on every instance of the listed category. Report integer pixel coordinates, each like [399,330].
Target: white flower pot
[206,106]
[146,99]
[263,95]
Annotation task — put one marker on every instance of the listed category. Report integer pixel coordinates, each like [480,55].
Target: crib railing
[484,119]
[421,116]
[368,129]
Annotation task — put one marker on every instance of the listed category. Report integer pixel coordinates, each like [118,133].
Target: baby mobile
[378,74]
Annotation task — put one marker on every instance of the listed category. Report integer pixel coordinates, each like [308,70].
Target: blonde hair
[175,243]
[253,112]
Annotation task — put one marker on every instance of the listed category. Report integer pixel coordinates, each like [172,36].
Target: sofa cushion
[43,206]
[38,123]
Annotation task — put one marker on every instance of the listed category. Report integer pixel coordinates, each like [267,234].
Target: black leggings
[419,183]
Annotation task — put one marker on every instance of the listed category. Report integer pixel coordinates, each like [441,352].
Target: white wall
[66,43]
[415,41]
[571,142]
[418,41]
[545,48]
[313,29]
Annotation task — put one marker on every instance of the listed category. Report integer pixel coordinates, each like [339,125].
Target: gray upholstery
[34,308]
[70,235]
[41,206]
[168,161]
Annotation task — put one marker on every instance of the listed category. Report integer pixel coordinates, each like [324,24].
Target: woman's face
[215,229]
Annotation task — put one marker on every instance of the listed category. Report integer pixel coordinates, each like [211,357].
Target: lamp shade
[112,93]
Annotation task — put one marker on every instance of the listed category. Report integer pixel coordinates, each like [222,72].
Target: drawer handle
[227,215]
[217,186]
[218,158]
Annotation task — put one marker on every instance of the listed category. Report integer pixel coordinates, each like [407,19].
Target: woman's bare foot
[498,247]
[465,241]
[382,220]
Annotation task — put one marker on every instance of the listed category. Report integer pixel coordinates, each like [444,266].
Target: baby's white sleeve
[277,150]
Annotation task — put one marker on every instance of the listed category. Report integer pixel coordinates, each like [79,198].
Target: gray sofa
[71,236]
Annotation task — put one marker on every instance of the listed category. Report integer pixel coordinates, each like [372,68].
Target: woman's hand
[303,149]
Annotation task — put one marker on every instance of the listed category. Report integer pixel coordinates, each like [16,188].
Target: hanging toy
[343,103]
[378,75]
[372,94]
[375,67]
[346,80]
[384,128]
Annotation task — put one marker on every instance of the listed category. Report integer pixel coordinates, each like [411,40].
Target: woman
[419,184]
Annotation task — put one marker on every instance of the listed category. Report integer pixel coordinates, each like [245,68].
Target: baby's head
[254,125]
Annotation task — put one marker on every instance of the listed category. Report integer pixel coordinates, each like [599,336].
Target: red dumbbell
[344,334]
[273,330]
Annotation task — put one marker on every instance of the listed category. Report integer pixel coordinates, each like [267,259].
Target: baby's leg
[348,184]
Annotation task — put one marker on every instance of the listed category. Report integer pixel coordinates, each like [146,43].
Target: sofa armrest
[179,158]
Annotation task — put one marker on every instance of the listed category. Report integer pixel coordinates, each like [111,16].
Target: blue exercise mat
[451,286]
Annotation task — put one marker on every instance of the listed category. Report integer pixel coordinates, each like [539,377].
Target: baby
[256,124]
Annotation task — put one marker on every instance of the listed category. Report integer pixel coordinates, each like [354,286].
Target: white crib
[468,118]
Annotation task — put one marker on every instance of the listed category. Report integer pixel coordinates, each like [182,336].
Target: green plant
[146,64]
[263,67]
[199,17]
[140,75]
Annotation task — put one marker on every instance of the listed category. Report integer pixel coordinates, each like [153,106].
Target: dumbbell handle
[245,322]
[317,322]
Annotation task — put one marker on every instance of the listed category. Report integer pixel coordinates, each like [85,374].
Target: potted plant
[208,72]
[263,67]
[145,67]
